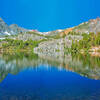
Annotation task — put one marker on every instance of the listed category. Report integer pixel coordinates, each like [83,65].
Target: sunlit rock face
[92,25]
[56,47]
[28,36]
[51,48]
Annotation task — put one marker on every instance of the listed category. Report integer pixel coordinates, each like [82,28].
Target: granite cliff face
[56,47]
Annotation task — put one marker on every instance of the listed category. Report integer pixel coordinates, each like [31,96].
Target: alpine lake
[27,76]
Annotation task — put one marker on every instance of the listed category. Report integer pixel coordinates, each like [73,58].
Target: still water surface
[29,77]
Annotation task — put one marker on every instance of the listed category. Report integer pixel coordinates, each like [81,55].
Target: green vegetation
[88,41]
[53,37]
[85,44]
[35,33]
[19,45]
[83,26]
[73,33]
[87,60]
[19,56]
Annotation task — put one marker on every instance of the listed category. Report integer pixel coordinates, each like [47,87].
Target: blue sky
[46,15]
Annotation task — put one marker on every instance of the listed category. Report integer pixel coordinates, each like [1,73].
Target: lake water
[32,77]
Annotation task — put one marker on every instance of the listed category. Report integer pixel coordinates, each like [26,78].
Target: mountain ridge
[12,29]
[93,25]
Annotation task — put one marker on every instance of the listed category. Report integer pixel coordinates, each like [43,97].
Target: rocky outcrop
[16,29]
[54,47]
[28,36]
[87,27]
[51,47]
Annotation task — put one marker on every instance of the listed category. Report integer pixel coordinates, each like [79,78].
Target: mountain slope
[16,29]
[90,26]
[4,28]
[10,30]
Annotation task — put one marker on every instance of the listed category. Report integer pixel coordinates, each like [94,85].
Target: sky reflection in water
[48,82]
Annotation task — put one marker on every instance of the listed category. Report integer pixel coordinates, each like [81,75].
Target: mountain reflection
[85,65]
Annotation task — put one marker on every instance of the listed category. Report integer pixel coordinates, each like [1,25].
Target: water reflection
[85,65]
[27,76]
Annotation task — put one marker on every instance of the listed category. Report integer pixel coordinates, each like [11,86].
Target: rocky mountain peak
[10,30]
[92,25]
